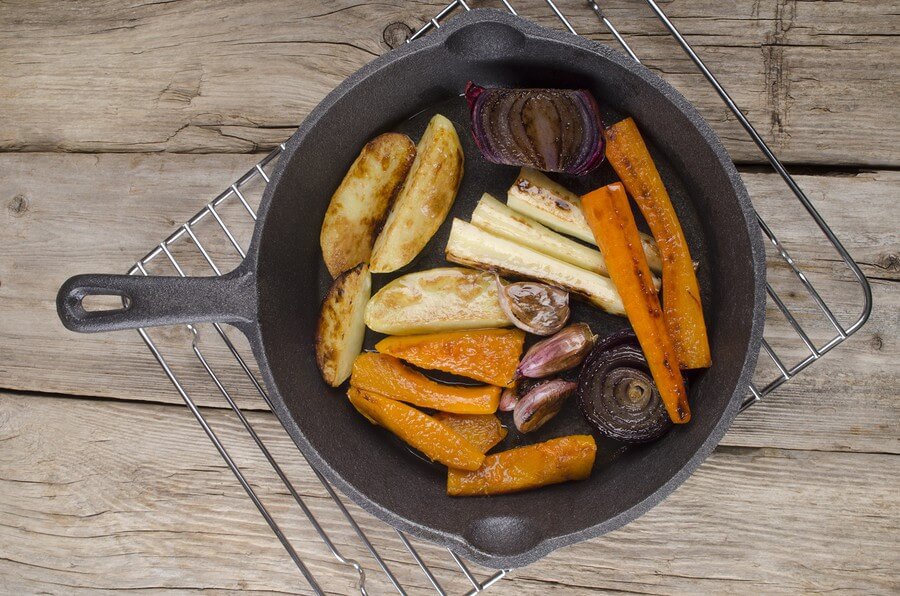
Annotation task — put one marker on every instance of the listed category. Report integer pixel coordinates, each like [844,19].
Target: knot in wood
[396,34]
[18,206]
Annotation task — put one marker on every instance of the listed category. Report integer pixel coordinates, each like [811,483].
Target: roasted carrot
[486,355]
[609,216]
[524,468]
[628,155]
[387,376]
[433,438]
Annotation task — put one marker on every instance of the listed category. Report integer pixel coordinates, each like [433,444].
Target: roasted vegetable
[509,397]
[483,431]
[565,350]
[360,204]
[425,199]
[616,392]
[385,375]
[435,439]
[524,468]
[534,307]
[486,355]
[339,335]
[493,216]
[554,130]
[609,215]
[681,295]
[443,299]
[541,403]
[536,196]
[469,245]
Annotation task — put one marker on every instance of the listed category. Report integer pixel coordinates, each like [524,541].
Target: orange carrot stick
[628,155]
[609,217]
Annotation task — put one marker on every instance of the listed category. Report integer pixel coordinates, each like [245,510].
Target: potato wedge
[472,246]
[442,299]
[435,439]
[339,336]
[360,204]
[425,199]
[533,194]
[493,216]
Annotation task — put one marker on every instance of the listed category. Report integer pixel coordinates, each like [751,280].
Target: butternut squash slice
[609,215]
[482,430]
[387,376]
[524,468]
[436,440]
[486,355]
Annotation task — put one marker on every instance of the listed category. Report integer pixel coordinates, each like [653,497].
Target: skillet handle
[150,301]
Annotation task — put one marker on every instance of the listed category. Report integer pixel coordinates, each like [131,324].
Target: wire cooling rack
[214,241]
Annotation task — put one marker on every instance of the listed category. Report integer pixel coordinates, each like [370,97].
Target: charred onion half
[616,392]
[552,130]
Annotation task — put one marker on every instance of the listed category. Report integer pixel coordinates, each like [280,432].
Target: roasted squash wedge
[628,155]
[387,376]
[483,431]
[436,440]
[486,355]
[609,215]
[524,468]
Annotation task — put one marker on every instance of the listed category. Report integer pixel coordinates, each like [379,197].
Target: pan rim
[457,542]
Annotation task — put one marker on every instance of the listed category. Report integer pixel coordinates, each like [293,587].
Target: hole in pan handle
[151,301]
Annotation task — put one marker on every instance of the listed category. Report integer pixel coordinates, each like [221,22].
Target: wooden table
[118,122]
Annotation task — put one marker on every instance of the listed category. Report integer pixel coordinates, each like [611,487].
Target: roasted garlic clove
[567,349]
[533,306]
[541,403]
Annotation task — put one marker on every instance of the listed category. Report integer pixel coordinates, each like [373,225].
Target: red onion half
[552,130]
[616,392]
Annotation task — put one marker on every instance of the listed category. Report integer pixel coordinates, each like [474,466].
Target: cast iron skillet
[274,295]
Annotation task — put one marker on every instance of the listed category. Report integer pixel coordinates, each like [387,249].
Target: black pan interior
[402,93]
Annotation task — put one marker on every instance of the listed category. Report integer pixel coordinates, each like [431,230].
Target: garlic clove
[567,349]
[541,403]
[534,307]
[509,398]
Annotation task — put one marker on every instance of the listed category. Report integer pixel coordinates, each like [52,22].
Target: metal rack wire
[186,244]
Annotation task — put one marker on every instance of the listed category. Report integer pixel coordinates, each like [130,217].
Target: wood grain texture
[202,76]
[138,500]
[56,223]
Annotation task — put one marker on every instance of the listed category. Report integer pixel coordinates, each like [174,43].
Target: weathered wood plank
[51,232]
[97,496]
[201,76]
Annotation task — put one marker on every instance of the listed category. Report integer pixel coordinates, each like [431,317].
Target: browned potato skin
[360,204]
[341,328]
[426,198]
[435,300]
